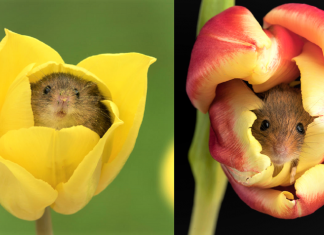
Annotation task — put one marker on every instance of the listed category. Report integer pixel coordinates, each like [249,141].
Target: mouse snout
[63,99]
[280,150]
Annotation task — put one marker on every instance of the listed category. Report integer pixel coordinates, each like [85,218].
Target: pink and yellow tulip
[232,47]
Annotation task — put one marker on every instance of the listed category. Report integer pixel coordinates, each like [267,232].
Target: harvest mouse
[61,100]
[281,126]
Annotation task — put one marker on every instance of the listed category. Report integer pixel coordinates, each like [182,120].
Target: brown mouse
[61,100]
[281,126]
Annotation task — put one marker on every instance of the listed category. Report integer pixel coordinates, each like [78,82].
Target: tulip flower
[63,169]
[232,47]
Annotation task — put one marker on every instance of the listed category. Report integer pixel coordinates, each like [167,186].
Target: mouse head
[281,124]
[60,99]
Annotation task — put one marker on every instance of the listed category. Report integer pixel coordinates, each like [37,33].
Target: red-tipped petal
[268,201]
[283,204]
[302,19]
[233,45]
[231,141]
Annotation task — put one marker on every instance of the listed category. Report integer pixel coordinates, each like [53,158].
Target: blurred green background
[133,202]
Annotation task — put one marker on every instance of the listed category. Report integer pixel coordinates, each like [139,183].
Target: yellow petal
[264,179]
[313,149]
[126,77]
[18,51]
[46,153]
[22,194]
[311,65]
[16,111]
[80,188]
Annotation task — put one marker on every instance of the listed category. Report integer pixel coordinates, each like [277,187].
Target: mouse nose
[280,150]
[63,100]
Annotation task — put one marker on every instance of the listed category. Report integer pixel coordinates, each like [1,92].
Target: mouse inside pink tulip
[61,100]
[281,126]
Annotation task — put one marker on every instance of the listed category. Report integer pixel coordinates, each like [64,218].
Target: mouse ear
[93,90]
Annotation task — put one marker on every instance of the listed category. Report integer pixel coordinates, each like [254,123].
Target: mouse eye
[264,125]
[47,90]
[300,128]
[77,93]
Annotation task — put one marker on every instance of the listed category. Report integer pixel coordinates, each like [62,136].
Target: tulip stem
[44,223]
[210,8]
[210,181]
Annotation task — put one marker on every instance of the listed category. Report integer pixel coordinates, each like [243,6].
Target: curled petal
[302,19]
[233,45]
[311,65]
[231,141]
[309,190]
[264,179]
[126,77]
[285,71]
[28,50]
[269,201]
[312,152]
[22,194]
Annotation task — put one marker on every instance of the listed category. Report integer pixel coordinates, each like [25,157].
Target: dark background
[235,216]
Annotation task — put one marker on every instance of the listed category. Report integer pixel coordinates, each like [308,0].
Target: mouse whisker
[312,142]
[308,136]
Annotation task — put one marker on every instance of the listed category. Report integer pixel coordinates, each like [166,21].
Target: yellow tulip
[63,169]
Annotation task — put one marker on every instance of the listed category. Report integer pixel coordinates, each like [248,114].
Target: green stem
[209,177]
[210,8]
[210,181]
[44,224]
